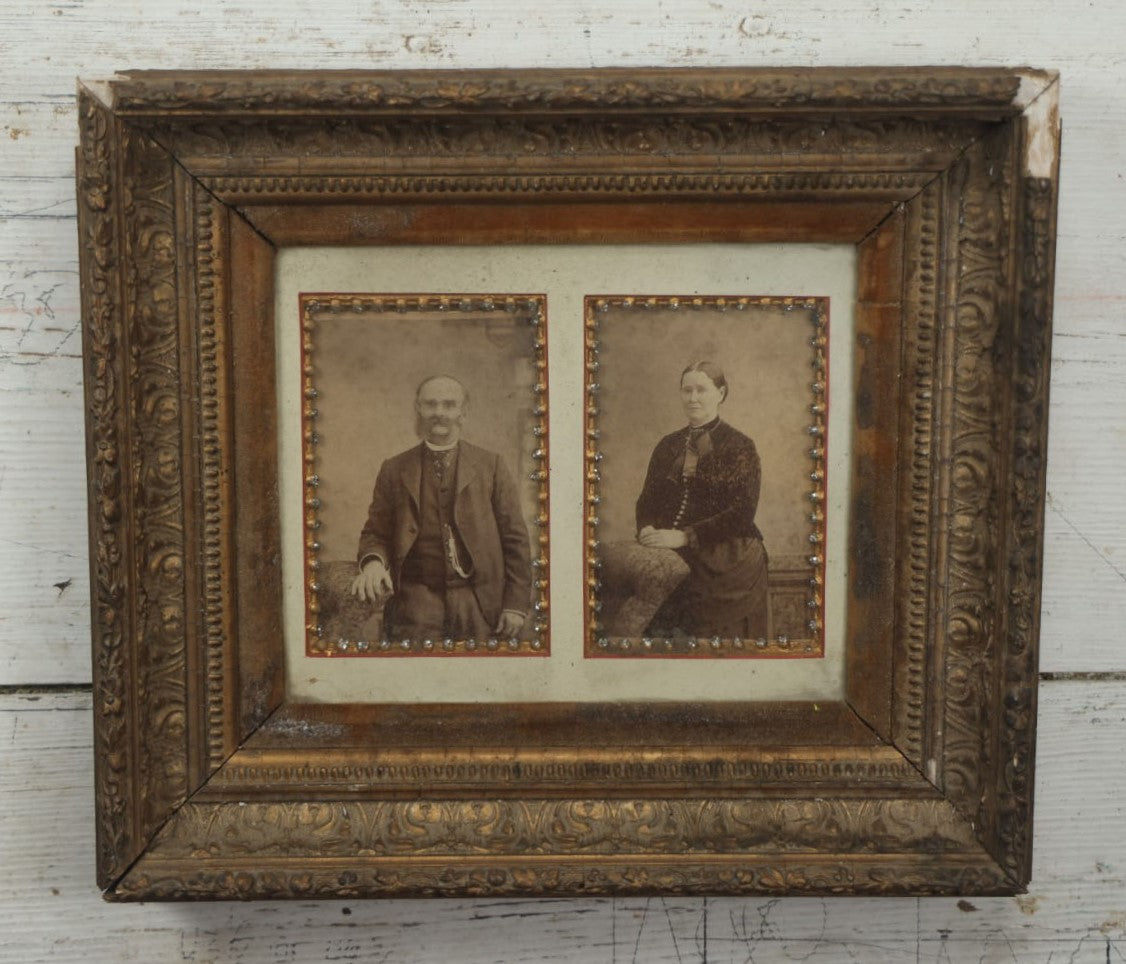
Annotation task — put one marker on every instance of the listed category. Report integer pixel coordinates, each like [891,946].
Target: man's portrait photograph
[425,475]
[708,467]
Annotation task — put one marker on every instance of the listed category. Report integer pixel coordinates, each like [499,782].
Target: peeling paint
[421,44]
[1032,85]
[1115,923]
[100,89]
[1042,120]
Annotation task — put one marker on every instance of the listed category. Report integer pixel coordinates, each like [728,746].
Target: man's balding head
[440,403]
[444,378]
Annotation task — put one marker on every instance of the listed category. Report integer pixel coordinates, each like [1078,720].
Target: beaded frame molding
[322,636]
[213,781]
[806,639]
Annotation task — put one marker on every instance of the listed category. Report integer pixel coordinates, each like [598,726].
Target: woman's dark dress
[709,489]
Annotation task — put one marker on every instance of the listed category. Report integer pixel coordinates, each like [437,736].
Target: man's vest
[438,558]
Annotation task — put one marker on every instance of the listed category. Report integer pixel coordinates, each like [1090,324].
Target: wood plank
[35,197]
[576,221]
[783,724]
[1084,542]
[1075,904]
[39,137]
[44,577]
[103,35]
[1079,855]
[1085,539]
[1076,908]
[874,536]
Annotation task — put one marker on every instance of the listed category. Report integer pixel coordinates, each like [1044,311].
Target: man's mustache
[425,423]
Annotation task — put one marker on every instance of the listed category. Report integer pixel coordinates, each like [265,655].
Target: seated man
[445,536]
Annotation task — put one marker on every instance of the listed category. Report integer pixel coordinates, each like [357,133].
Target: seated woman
[699,498]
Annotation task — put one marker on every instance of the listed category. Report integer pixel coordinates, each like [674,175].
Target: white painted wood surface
[1076,910]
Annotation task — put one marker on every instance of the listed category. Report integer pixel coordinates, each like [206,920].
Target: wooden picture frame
[211,784]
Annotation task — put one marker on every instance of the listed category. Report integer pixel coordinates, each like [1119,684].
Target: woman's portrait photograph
[706,474]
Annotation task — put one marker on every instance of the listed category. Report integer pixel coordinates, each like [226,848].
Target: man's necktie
[441,460]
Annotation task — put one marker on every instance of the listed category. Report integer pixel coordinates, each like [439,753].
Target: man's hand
[373,584]
[662,538]
[509,625]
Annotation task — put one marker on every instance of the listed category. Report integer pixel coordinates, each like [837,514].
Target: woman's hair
[713,371]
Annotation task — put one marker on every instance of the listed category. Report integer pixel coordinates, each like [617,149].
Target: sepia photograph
[706,470]
[425,474]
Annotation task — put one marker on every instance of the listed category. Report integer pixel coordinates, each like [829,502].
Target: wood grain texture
[1075,905]
[585,133]
[1085,543]
[1076,908]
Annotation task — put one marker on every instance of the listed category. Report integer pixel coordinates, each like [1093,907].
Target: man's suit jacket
[487,516]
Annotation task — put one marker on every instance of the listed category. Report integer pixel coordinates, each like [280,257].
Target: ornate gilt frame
[210,783]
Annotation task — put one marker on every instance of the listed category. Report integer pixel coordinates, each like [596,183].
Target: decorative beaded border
[596,644]
[534,309]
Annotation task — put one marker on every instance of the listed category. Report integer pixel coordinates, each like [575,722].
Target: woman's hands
[662,538]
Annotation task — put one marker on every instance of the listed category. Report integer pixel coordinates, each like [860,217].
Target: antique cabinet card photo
[706,420]
[425,471]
